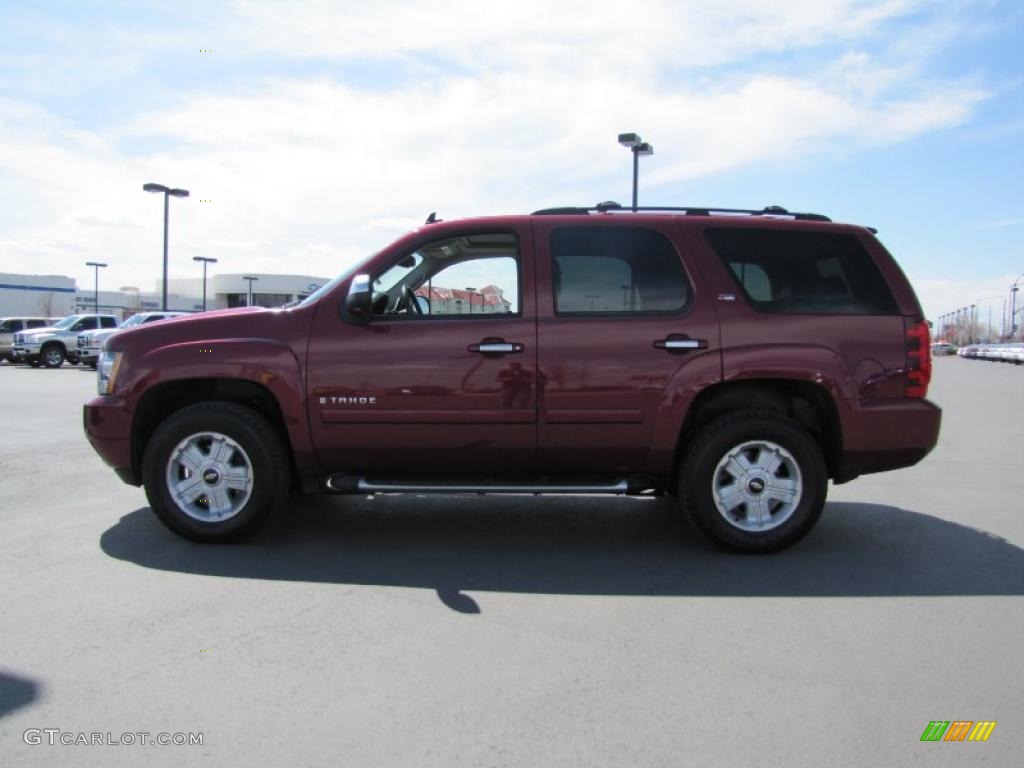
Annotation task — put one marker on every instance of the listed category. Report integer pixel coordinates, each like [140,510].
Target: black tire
[700,473]
[265,451]
[52,356]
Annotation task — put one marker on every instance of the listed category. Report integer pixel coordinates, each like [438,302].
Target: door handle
[496,347]
[680,343]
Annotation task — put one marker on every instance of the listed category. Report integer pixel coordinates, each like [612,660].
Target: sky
[312,133]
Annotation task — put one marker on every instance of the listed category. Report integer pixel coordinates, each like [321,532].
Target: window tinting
[616,269]
[793,272]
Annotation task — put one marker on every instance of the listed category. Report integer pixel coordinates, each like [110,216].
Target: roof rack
[613,207]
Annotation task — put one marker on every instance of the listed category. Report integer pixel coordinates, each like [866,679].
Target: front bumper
[880,435]
[108,427]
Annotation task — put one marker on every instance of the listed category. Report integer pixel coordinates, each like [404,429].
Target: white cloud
[496,109]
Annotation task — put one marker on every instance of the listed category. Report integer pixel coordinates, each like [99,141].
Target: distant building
[36,295]
[57,296]
[456,301]
[231,290]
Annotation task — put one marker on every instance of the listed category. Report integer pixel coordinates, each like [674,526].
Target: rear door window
[801,272]
[108,322]
[616,270]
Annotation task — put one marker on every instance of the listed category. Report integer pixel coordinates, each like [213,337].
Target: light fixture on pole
[638,147]
[250,279]
[168,193]
[1013,306]
[206,260]
[96,283]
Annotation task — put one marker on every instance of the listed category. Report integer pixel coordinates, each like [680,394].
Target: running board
[360,485]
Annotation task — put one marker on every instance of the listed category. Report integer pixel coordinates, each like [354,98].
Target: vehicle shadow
[574,545]
[16,692]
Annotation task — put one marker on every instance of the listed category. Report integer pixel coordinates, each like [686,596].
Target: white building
[232,290]
[36,295]
[57,296]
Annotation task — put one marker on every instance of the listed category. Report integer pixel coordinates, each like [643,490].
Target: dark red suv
[738,359]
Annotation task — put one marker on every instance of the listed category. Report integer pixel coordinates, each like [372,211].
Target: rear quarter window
[801,272]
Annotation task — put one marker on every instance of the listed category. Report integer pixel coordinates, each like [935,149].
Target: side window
[802,272]
[473,274]
[85,324]
[11,326]
[38,323]
[613,269]
[151,318]
[108,322]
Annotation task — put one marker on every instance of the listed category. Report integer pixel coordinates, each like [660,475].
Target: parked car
[12,325]
[51,346]
[91,342]
[943,348]
[736,360]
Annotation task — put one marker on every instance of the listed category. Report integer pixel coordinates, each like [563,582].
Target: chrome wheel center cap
[211,476]
[756,485]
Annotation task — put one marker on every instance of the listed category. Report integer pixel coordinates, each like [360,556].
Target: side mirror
[358,301]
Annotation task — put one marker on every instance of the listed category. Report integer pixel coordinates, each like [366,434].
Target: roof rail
[610,206]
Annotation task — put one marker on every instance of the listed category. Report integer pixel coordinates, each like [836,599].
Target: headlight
[106,371]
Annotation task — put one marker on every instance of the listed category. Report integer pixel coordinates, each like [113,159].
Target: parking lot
[514,631]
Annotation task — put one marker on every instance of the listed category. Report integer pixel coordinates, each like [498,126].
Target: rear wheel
[52,356]
[754,481]
[214,471]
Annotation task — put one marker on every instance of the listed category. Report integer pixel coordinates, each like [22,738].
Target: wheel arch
[162,400]
[807,403]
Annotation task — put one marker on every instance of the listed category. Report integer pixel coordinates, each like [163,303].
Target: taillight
[919,359]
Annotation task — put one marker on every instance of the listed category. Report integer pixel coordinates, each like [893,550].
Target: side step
[360,485]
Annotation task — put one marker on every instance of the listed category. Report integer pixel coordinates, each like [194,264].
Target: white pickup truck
[52,346]
[90,343]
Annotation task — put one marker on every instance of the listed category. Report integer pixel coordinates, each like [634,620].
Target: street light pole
[1013,306]
[96,283]
[638,147]
[206,260]
[168,192]
[250,279]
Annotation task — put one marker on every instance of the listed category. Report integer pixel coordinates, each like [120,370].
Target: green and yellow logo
[958,730]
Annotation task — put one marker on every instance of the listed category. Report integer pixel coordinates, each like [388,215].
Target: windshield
[7,326]
[67,322]
[328,286]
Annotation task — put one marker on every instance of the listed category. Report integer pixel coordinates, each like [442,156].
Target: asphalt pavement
[515,631]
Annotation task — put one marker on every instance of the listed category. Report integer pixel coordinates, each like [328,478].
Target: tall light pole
[206,260]
[638,147]
[472,292]
[96,283]
[168,193]
[1013,306]
[989,299]
[250,279]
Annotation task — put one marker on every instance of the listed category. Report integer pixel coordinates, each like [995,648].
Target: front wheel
[52,356]
[214,471]
[754,481]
